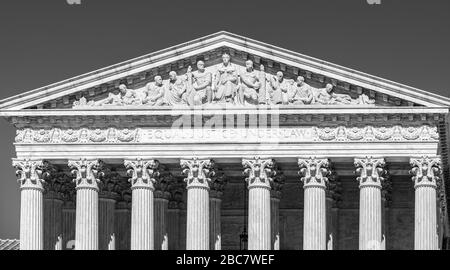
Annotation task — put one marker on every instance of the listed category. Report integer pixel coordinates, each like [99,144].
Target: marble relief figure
[199,85]
[301,92]
[155,92]
[124,97]
[226,81]
[176,91]
[249,86]
[280,89]
[230,84]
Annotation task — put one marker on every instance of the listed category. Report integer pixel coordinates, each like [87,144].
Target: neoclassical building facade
[229,143]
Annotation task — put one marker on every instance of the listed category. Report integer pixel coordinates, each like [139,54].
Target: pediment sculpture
[227,85]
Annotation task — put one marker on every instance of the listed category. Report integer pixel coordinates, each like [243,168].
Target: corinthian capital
[370,171]
[314,172]
[142,173]
[425,171]
[30,173]
[198,172]
[86,173]
[259,172]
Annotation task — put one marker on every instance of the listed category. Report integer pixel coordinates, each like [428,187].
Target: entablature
[274,116]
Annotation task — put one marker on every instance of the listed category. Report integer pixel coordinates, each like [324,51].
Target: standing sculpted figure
[301,92]
[199,85]
[250,85]
[280,87]
[155,92]
[176,92]
[227,81]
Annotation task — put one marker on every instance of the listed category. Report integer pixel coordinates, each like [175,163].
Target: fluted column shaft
[426,173]
[53,224]
[142,225]
[370,221]
[215,208]
[370,176]
[275,219]
[314,174]
[314,228]
[215,224]
[86,220]
[161,223]
[197,237]
[122,226]
[425,233]
[69,221]
[86,226]
[198,174]
[143,174]
[174,228]
[31,203]
[259,219]
[107,235]
[259,176]
[31,220]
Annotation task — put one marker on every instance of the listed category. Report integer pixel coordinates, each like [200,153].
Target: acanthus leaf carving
[425,171]
[198,172]
[314,171]
[31,173]
[370,171]
[142,172]
[259,172]
[86,173]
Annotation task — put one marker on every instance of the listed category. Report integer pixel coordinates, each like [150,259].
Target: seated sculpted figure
[280,89]
[227,81]
[323,95]
[199,85]
[176,93]
[129,97]
[124,97]
[155,92]
[301,92]
[250,85]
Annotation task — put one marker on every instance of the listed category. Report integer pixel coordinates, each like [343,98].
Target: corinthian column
[162,196]
[426,173]
[370,177]
[198,177]
[30,177]
[314,174]
[176,203]
[53,204]
[259,174]
[143,174]
[275,197]
[215,205]
[108,196]
[86,220]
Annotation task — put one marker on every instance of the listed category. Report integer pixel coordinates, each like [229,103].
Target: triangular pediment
[137,74]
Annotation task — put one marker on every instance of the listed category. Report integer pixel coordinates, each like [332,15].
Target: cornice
[173,55]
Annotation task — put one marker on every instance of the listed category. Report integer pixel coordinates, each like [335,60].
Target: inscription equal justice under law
[249,135]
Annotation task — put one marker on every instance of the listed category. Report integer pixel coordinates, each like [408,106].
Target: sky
[43,42]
